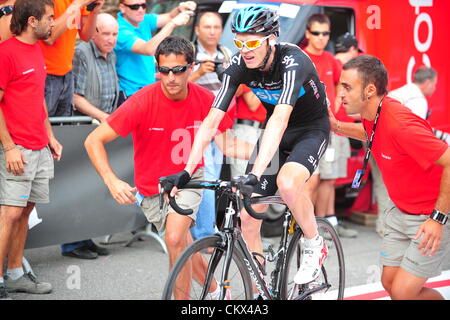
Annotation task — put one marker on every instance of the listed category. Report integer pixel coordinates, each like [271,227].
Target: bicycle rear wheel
[196,271]
[330,284]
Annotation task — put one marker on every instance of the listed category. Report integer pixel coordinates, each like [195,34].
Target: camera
[91,6]
[218,67]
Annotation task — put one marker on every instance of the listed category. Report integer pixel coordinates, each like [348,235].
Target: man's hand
[121,191]
[56,148]
[432,234]
[206,66]
[98,7]
[15,161]
[174,182]
[182,18]
[187,5]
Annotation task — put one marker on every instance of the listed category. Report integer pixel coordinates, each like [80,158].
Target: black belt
[252,123]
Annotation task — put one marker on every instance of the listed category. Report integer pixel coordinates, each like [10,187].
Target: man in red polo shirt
[163,119]
[415,166]
[27,138]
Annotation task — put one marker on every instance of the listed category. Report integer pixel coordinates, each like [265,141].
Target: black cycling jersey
[292,79]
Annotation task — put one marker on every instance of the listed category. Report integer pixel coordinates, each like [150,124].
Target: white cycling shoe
[311,263]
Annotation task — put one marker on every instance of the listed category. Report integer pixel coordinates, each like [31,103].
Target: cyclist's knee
[290,184]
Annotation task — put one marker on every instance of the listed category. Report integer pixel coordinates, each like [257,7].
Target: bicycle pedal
[261,267]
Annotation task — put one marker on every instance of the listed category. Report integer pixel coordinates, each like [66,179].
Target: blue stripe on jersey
[272,96]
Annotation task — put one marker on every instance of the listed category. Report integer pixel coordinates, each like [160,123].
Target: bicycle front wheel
[199,269]
[330,284]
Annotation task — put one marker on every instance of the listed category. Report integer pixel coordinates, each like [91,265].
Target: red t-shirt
[243,111]
[163,131]
[406,150]
[22,79]
[329,71]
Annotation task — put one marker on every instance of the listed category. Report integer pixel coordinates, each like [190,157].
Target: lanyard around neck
[360,173]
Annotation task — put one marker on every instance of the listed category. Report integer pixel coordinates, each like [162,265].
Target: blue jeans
[206,216]
[67,247]
[59,95]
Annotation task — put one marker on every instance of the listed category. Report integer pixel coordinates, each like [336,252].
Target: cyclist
[296,130]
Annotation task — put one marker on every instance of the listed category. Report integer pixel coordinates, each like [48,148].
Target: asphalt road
[139,272]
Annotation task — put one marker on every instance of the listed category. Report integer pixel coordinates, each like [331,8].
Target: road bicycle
[223,260]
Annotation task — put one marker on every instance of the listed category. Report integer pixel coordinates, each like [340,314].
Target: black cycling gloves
[178,180]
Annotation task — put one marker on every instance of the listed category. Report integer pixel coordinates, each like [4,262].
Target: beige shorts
[400,250]
[186,199]
[33,184]
[333,164]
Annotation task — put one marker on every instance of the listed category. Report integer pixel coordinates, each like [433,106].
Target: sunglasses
[249,44]
[136,6]
[318,33]
[175,70]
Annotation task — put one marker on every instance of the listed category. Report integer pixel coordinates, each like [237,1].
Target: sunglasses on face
[318,33]
[136,6]
[175,70]
[251,44]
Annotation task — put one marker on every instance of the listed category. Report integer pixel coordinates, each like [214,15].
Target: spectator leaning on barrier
[415,166]
[72,17]
[154,116]
[27,139]
[136,46]
[333,164]
[6,9]
[96,95]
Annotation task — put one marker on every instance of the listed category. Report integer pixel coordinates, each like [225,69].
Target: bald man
[96,95]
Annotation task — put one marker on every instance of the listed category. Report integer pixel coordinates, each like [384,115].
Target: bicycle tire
[337,281]
[238,276]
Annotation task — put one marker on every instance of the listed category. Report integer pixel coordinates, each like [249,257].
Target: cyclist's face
[253,58]
[174,85]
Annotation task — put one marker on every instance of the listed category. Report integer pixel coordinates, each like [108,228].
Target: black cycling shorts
[304,145]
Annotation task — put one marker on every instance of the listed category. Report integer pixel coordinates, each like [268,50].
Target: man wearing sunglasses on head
[136,45]
[296,130]
[163,118]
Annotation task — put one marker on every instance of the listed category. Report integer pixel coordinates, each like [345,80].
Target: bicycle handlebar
[237,183]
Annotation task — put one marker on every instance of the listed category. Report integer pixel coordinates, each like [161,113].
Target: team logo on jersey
[236,59]
[289,61]
[272,96]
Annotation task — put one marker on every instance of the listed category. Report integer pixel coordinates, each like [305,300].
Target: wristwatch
[439,216]
[6,10]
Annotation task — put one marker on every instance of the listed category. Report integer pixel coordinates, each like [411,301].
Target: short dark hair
[177,45]
[24,9]
[200,16]
[424,73]
[318,17]
[371,70]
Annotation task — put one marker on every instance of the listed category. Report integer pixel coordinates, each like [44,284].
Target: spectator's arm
[164,18]
[89,23]
[349,129]
[55,147]
[87,108]
[232,146]
[148,48]
[5,137]
[65,21]
[251,100]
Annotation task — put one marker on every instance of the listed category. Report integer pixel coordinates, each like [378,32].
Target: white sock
[15,274]
[314,242]
[333,220]
[2,281]
[217,291]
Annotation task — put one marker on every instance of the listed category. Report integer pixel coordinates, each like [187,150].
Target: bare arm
[95,147]
[275,128]
[251,100]
[87,108]
[232,146]
[65,21]
[55,147]
[149,47]
[203,137]
[89,23]
[164,18]
[349,129]
[430,229]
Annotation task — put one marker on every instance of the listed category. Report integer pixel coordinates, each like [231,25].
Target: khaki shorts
[33,184]
[333,164]
[400,250]
[186,199]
